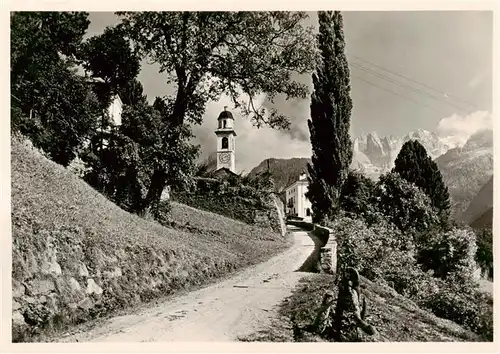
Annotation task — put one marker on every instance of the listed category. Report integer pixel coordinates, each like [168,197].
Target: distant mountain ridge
[479,213]
[465,168]
[374,156]
[283,171]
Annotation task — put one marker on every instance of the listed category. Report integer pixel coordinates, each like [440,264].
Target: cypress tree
[414,165]
[329,124]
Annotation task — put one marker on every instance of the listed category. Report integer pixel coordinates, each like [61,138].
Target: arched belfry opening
[225,143]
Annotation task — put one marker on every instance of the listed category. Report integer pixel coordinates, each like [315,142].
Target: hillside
[396,318]
[465,170]
[77,256]
[283,171]
[479,213]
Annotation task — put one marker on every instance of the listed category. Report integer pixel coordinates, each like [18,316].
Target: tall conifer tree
[329,125]
[414,165]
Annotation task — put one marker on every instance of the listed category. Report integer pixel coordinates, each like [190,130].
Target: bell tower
[225,140]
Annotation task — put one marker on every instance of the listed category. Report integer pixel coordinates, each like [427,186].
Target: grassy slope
[396,318]
[59,221]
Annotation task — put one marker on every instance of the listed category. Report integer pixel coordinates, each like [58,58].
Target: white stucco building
[296,201]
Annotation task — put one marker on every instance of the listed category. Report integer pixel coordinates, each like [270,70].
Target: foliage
[331,106]
[144,143]
[484,254]
[448,252]
[207,54]
[78,167]
[404,204]
[109,57]
[375,251]
[262,182]
[37,41]
[358,197]
[64,117]
[472,309]
[384,254]
[53,106]
[414,165]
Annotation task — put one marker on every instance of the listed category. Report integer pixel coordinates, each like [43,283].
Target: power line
[414,89]
[395,93]
[441,92]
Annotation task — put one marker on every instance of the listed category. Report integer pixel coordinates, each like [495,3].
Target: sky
[410,70]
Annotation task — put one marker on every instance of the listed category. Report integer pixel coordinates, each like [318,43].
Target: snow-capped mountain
[465,166]
[374,155]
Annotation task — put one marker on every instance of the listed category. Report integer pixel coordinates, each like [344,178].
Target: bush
[383,253]
[162,213]
[484,254]
[375,251]
[357,198]
[78,167]
[448,252]
[473,309]
[404,204]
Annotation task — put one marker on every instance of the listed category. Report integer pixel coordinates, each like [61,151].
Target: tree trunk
[156,186]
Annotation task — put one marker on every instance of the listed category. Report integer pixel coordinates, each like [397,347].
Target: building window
[225,143]
[224,123]
[308,212]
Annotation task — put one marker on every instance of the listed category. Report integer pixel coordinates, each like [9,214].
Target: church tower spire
[226,141]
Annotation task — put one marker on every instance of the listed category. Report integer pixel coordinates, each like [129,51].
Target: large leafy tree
[206,54]
[414,165]
[109,56]
[331,106]
[52,105]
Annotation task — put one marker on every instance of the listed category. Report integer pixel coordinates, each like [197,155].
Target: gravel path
[225,311]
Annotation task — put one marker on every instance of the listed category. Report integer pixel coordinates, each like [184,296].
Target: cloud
[297,110]
[462,127]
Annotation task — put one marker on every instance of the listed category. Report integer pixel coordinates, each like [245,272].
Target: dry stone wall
[267,214]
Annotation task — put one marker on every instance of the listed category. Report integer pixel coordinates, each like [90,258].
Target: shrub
[358,198]
[381,252]
[404,204]
[484,254]
[375,251]
[78,167]
[448,252]
[472,309]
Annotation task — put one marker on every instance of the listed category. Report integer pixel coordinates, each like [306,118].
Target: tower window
[225,143]
[224,123]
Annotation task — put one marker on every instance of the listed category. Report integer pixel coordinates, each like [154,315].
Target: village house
[297,203]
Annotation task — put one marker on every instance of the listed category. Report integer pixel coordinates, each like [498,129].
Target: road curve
[224,311]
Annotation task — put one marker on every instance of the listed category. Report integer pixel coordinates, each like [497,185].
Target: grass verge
[78,257]
[396,318]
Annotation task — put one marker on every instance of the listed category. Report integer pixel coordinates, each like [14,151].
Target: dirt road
[225,311]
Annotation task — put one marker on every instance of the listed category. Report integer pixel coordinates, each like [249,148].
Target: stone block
[18,289]
[93,288]
[42,286]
